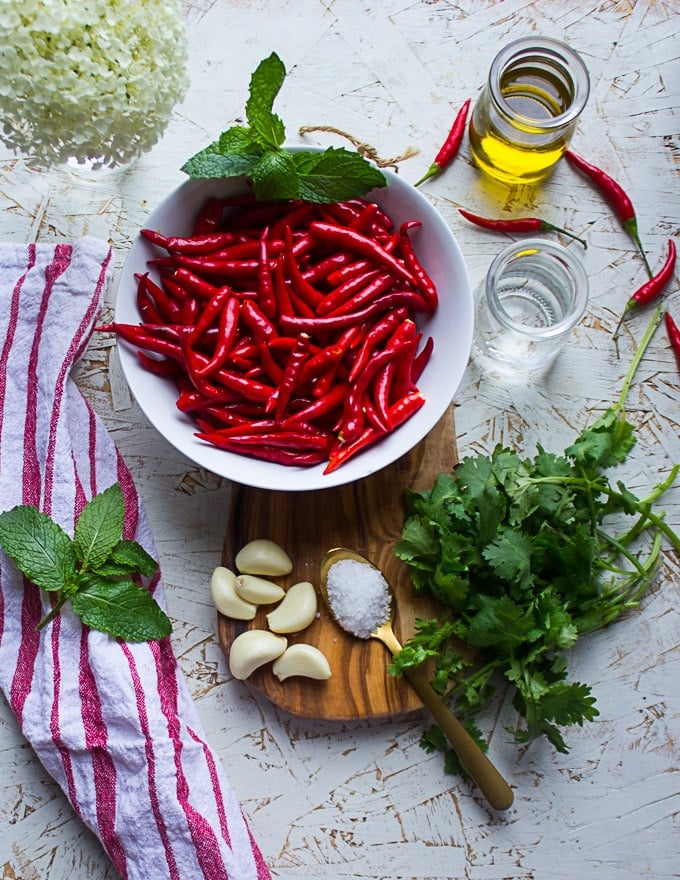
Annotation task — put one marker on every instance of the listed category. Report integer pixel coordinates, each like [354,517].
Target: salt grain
[359,596]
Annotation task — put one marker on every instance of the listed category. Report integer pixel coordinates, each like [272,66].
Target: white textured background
[363,800]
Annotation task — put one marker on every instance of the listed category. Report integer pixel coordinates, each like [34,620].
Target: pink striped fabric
[113,723]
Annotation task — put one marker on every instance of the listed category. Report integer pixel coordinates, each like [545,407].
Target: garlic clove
[252,649]
[258,590]
[263,556]
[226,599]
[303,660]
[296,611]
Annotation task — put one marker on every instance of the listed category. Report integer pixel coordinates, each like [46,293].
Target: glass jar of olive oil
[525,116]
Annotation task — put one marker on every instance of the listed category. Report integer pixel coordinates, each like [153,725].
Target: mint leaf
[334,175]
[93,570]
[274,177]
[210,163]
[122,609]
[40,549]
[265,84]
[134,555]
[234,154]
[99,527]
[255,152]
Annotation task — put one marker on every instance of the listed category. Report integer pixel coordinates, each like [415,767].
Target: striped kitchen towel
[112,722]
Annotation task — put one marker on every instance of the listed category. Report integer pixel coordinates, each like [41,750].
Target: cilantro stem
[639,354]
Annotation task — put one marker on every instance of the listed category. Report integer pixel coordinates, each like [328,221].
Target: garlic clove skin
[258,590]
[252,649]
[265,557]
[296,611]
[226,599]
[302,660]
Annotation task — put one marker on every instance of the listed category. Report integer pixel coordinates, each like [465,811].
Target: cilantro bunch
[94,570]
[255,151]
[525,555]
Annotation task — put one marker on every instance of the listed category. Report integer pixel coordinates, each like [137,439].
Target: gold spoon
[482,771]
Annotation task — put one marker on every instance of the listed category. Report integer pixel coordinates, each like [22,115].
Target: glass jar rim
[556,51]
[571,264]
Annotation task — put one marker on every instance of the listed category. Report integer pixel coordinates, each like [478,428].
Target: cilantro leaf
[509,556]
[605,443]
[39,547]
[99,527]
[122,609]
[500,622]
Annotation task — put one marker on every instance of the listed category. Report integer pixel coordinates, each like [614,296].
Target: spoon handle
[488,779]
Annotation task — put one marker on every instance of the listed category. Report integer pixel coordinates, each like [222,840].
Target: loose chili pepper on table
[518,224]
[615,195]
[651,289]
[673,335]
[451,145]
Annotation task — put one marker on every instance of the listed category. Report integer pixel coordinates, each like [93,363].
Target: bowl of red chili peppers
[291,345]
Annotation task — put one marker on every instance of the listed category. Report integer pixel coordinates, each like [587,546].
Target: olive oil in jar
[524,119]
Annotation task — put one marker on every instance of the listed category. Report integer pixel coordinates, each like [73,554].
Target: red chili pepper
[327,358]
[519,224]
[265,284]
[166,307]
[228,328]
[199,245]
[409,298]
[296,359]
[263,329]
[265,451]
[423,281]
[378,332]
[136,335]
[652,288]
[322,270]
[616,197]
[158,366]
[194,284]
[299,284]
[399,412]
[673,335]
[154,237]
[451,145]
[353,415]
[145,305]
[189,312]
[348,239]
[421,359]
[209,216]
[210,312]
[322,406]
[223,268]
[382,391]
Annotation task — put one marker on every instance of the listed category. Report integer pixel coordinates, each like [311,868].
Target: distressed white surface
[363,800]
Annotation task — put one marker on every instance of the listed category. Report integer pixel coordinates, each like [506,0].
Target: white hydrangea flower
[89,79]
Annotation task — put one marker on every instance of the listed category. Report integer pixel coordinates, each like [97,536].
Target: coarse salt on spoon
[360,600]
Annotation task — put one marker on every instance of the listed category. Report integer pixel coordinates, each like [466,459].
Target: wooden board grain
[366,516]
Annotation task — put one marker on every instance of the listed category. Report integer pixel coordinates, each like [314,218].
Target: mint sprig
[94,570]
[255,151]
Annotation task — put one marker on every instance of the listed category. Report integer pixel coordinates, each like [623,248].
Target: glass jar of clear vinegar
[526,115]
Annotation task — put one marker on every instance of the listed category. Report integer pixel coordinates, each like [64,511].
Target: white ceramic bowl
[451,327]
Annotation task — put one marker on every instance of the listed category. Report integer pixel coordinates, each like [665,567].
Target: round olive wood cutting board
[366,516]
